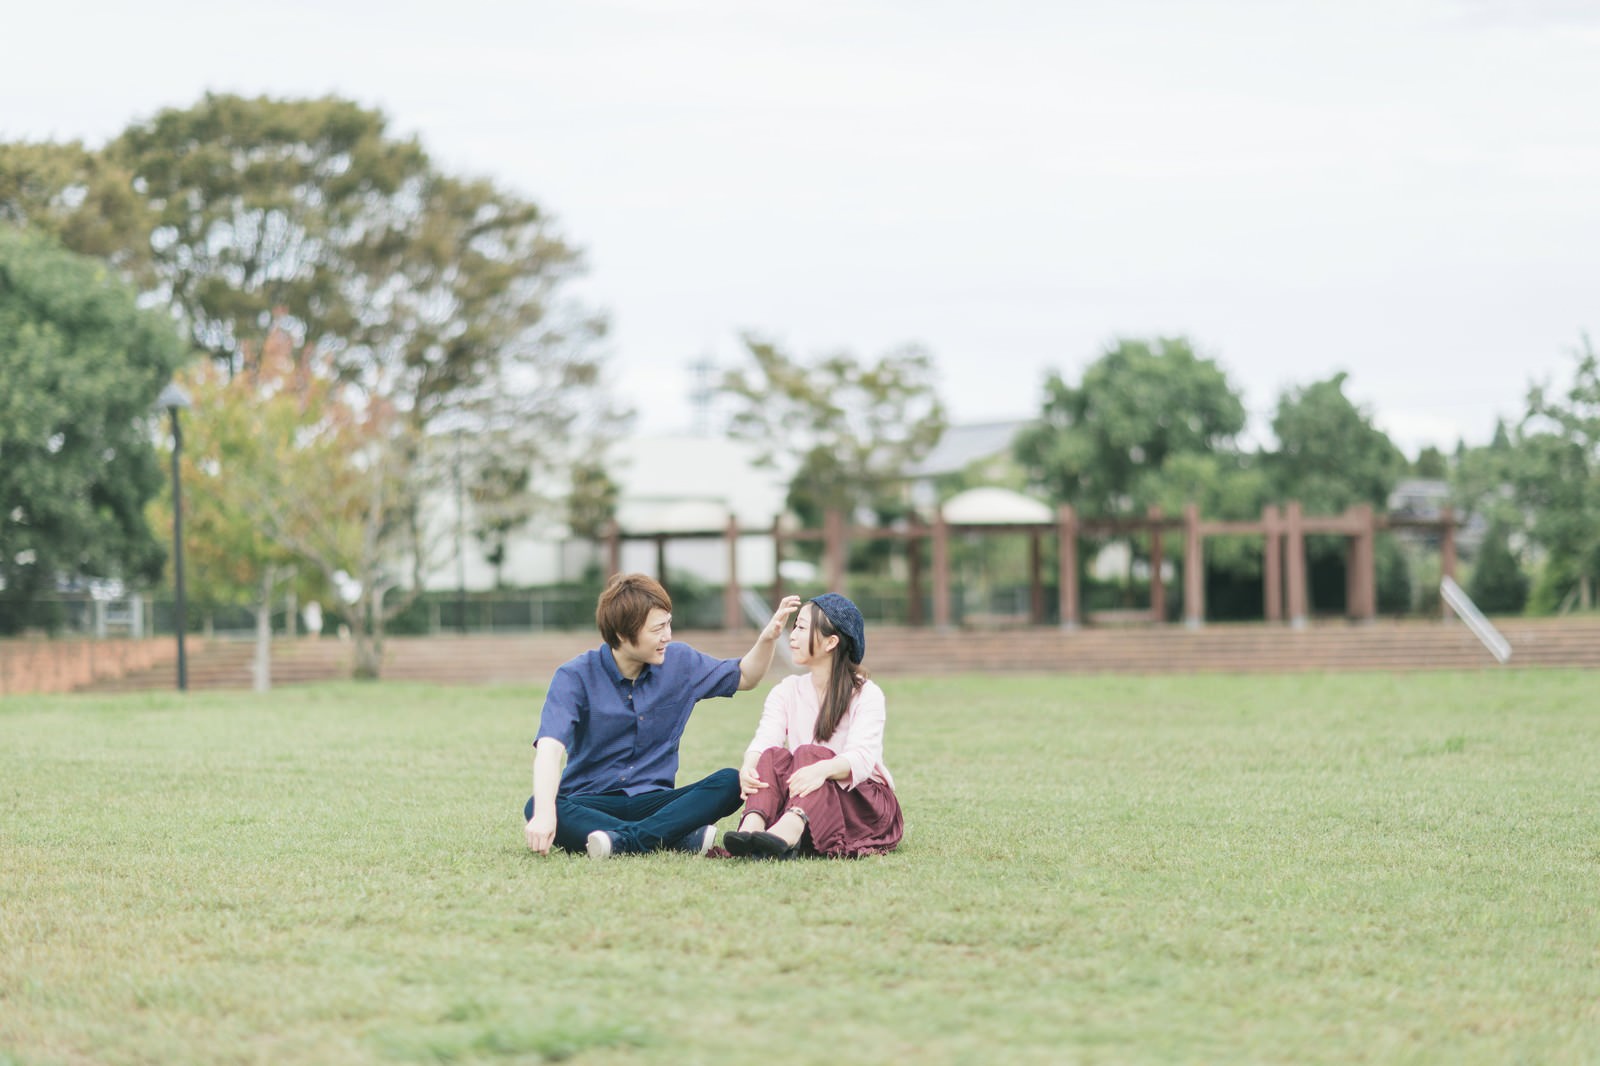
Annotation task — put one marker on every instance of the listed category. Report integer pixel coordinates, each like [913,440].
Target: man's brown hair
[626,603]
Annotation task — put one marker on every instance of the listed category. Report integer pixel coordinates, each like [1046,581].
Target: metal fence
[532,611]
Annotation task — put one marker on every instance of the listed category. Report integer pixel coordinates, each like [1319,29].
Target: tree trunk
[368,634]
[369,659]
[261,667]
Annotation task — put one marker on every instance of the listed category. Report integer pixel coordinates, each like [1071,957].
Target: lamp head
[173,398]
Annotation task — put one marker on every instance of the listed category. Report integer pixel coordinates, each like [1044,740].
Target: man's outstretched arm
[541,829]
[753,667]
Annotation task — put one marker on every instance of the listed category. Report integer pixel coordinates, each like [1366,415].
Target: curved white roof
[991,505]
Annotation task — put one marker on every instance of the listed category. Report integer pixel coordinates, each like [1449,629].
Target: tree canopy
[80,368]
[1556,472]
[292,464]
[1098,445]
[851,429]
[1330,455]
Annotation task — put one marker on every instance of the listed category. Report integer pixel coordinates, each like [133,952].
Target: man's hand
[780,618]
[541,832]
[753,667]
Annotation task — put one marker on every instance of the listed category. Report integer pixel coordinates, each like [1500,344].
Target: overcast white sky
[1407,190]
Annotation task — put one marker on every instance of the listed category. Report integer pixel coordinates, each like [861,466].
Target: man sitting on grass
[617,714]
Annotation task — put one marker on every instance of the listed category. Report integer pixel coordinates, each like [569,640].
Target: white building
[666,484]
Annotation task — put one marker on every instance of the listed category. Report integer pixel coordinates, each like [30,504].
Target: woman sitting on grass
[813,778]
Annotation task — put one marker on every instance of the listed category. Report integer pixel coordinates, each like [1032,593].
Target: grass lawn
[1388,868]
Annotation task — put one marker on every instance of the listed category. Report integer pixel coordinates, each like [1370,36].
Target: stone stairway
[1248,648]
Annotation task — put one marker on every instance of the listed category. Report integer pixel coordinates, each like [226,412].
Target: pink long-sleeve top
[791,713]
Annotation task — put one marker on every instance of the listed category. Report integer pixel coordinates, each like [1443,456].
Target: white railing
[1459,602]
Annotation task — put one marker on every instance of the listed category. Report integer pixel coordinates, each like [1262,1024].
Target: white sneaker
[599,844]
[697,841]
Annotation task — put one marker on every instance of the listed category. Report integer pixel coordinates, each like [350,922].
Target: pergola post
[730,588]
[941,571]
[1035,581]
[914,577]
[834,550]
[1272,562]
[1447,551]
[1361,583]
[1295,563]
[613,548]
[1194,569]
[1158,589]
[777,560]
[1067,559]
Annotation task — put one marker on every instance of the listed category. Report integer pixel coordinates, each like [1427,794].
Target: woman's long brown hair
[844,677]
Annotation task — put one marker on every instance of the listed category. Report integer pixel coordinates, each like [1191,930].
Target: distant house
[695,484]
[1419,497]
[1426,498]
[980,449]
[666,484]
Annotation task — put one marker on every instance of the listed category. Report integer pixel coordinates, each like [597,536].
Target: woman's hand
[808,779]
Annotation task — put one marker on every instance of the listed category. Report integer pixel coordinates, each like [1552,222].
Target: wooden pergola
[1283,533]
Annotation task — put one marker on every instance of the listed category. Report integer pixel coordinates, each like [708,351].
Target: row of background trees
[372,329]
[1155,423]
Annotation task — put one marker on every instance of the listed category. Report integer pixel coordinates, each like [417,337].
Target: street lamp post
[174,399]
[461,557]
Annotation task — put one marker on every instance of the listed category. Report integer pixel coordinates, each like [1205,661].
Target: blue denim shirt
[622,735]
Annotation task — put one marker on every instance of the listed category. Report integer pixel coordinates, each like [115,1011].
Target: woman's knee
[806,754]
[777,758]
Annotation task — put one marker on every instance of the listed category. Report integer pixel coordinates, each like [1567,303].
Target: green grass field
[1386,868]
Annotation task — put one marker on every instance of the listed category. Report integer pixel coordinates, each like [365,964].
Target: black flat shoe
[765,845]
[737,843]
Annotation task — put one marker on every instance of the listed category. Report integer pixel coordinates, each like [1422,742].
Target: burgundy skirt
[841,822]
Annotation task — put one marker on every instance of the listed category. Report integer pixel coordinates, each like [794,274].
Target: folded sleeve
[707,675]
[565,703]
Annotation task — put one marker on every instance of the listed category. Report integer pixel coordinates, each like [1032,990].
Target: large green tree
[78,196]
[1100,444]
[1556,474]
[80,368]
[1481,478]
[1150,423]
[1498,585]
[851,428]
[1330,454]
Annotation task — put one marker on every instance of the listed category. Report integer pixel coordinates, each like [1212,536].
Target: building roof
[961,446]
[683,483]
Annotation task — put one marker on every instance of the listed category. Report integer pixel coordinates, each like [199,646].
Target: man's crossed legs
[670,818]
